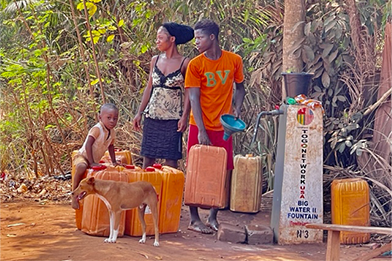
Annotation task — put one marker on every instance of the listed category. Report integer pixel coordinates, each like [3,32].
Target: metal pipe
[263,113]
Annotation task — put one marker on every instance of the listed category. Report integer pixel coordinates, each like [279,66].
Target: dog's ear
[90,181]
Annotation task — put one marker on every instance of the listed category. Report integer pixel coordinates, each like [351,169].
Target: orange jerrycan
[124,156]
[246,184]
[79,212]
[205,183]
[95,220]
[133,227]
[350,206]
[121,155]
[171,199]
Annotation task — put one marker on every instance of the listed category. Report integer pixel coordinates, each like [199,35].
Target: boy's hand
[236,112]
[203,138]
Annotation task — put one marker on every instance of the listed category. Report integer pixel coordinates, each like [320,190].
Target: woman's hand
[136,121]
[182,124]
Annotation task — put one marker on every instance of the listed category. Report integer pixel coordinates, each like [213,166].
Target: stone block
[231,233]
[259,234]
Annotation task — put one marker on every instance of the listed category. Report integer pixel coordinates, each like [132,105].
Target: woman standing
[165,104]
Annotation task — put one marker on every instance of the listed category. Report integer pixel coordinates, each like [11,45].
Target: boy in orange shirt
[209,81]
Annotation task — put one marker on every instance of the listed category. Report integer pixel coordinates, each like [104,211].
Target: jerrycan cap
[150,169]
[291,101]
[157,166]
[130,166]
[101,161]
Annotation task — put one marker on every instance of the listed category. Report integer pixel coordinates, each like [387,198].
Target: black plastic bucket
[297,83]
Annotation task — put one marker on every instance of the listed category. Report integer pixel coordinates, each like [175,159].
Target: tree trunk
[293,37]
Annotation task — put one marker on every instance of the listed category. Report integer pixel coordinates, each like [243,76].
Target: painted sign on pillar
[298,186]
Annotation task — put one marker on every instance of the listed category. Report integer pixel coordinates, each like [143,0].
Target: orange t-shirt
[215,78]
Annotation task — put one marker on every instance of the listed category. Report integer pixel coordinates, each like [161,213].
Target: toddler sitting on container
[99,139]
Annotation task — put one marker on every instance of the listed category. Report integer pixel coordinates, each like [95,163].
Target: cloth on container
[311,103]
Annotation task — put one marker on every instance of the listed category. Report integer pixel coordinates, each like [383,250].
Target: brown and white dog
[119,196]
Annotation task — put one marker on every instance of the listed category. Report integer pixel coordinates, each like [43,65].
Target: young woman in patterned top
[165,104]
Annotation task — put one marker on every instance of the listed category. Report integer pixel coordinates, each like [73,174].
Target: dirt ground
[45,230]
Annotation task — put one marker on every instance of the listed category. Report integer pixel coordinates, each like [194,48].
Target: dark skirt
[161,139]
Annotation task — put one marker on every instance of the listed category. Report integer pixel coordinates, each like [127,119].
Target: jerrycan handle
[100,167]
[157,166]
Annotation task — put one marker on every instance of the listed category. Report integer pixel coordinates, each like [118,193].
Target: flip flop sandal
[213,227]
[199,230]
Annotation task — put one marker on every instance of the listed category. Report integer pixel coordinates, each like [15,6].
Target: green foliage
[327,53]
[53,77]
[325,49]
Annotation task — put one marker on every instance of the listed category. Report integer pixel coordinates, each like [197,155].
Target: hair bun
[182,33]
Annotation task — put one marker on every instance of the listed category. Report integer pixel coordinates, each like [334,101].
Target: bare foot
[213,224]
[198,226]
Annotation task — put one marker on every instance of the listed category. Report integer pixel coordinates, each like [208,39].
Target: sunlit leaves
[49,126]
[12,70]
[95,82]
[110,38]
[136,22]
[257,45]
[91,8]
[145,48]
[95,36]
[102,28]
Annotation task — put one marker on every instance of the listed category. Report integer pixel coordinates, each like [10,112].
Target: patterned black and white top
[166,97]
